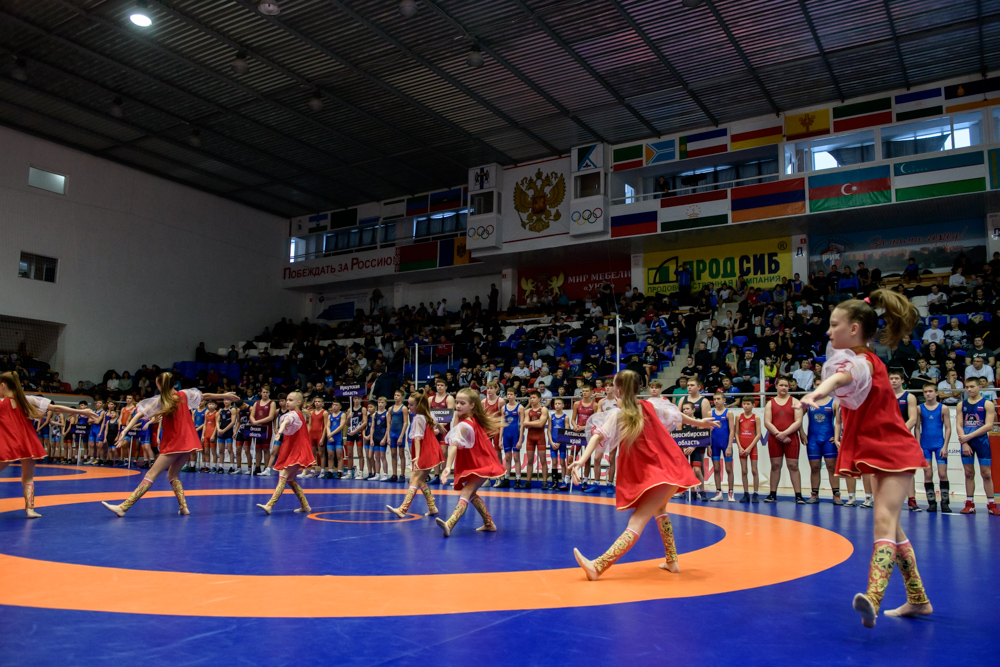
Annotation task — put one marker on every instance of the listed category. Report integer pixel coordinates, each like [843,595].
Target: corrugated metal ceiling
[404,113]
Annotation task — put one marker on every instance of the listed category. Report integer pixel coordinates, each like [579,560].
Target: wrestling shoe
[593,488]
[970,508]
[868,504]
[745,498]
[932,505]
[731,498]
[717,498]
[755,499]
[837,500]
[609,489]
[945,506]
[770,498]
[912,505]
[991,509]
[812,500]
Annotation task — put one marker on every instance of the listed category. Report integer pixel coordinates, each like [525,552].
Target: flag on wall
[452,252]
[993,160]
[704,209]
[810,124]
[633,224]
[921,104]
[940,176]
[417,257]
[627,157]
[972,95]
[862,114]
[704,143]
[769,200]
[659,151]
[588,157]
[318,223]
[416,205]
[757,133]
[394,209]
[370,213]
[445,200]
[846,189]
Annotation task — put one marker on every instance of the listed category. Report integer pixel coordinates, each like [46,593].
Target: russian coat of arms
[537,199]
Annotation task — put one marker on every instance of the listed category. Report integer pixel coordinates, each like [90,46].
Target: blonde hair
[12,382]
[168,399]
[899,314]
[423,406]
[630,417]
[490,423]
[293,395]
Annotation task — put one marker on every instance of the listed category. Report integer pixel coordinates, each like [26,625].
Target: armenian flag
[769,200]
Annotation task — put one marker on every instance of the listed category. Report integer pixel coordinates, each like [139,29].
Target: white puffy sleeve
[417,426]
[668,413]
[846,360]
[606,424]
[193,397]
[292,419]
[462,436]
[147,407]
[40,403]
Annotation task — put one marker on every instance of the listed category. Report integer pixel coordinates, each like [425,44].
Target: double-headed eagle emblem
[537,200]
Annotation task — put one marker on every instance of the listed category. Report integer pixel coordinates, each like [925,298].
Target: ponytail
[12,382]
[899,314]
[423,407]
[168,399]
[630,416]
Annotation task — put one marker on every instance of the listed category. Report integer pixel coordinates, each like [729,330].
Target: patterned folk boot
[883,560]
[600,565]
[278,490]
[916,596]
[488,525]
[667,534]
[432,508]
[446,526]
[139,492]
[300,494]
[402,509]
[29,500]
[175,484]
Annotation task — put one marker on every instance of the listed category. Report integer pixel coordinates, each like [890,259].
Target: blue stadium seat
[633,348]
[739,340]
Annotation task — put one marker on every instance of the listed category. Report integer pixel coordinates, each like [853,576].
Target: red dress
[430,448]
[18,438]
[179,434]
[480,460]
[875,437]
[296,447]
[654,459]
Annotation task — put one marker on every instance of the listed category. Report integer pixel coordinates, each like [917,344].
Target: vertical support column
[508,287]
[638,279]
[800,256]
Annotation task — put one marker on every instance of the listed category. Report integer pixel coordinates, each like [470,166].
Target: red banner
[576,281]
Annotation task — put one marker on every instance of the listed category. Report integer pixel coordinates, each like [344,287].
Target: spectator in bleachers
[934,334]
[937,301]
[979,350]
[979,369]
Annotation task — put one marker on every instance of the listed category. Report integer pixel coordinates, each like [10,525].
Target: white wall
[453,290]
[147,267]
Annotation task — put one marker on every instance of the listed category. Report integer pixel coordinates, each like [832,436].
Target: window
[588,185]
[629,194]
[481,203]
[830,152]
[444,225]
[293,249]
[967,130]
[389,233]
[46,180]
[996,126]
[37,267]
[926,136]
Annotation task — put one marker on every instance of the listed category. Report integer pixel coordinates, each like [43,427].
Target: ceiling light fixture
[140,14]
[117,108]
[195,138]
[691,4]
[316,103]
[20,70]
[475,57]
[408,8]
[268,8]
[240,65]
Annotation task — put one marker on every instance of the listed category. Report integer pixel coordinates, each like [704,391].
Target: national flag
[588,157]
[417,256]
[633,224]
[921,104]
[445,200]
[627,157]
[940,176]
[659,151]
[756,133]
[416,205]
[704,209]
[370,213]
[769,200]
[452,252]
[960,95]
[993,159]
[704,143]
[343,219]
[394,209]
[862,114]
[810,124]
[847,189]
[319,222]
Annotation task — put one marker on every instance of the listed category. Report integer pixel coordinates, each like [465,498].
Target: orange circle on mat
[84,473]
[720,568]
[316,516]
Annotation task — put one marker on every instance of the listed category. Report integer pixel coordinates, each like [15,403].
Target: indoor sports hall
[609,331]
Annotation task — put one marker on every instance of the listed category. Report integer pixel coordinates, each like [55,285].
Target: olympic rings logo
[586,216]
[481,233]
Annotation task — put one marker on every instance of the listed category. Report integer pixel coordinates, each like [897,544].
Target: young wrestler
[263,414]
[470,453]
[399,422]
[356,423]
[145,440]
[294,453]
[199,427]
[822,437]
[367,443]
[935,433]
[875,439]
[18,438]
[783,419]
[557,422]
[583,410]
[244,446]
[209,461]
[317,417]
[425,454]
[748,435]
[179,437]
[908,408]
[722,444]
[441,400]
[650,469]
[536,419]
[228,418]
[41,426]
[494,406]
[977,417]
[380,441]
[109,433]
[94,448]
[130,438]
[694,455]
[273,449]
[512,430]
[334,438]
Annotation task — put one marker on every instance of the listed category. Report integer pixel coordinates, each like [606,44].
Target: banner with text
[762,263]
[368,264]
[576,281]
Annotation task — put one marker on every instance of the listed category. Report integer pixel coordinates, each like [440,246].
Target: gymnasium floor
[350,584]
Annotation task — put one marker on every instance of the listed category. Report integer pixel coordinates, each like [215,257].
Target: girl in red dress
[875,440]
[295,451]
[651,467]
[425,454]
[18,438]
[177,440]
[470,452]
